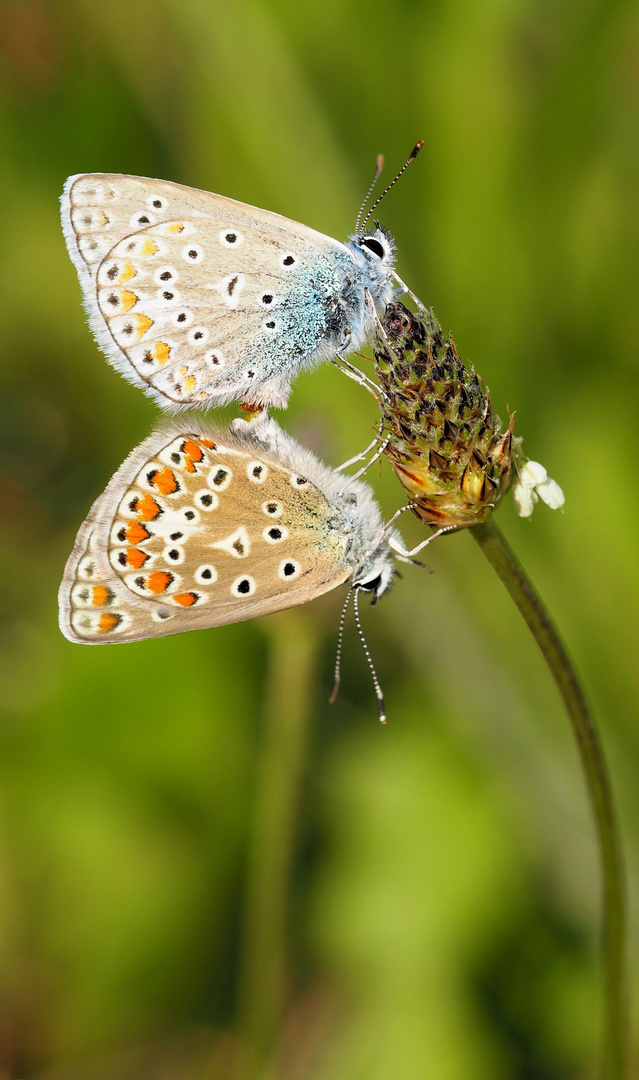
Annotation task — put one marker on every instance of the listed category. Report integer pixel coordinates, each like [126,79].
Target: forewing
[195,531]
[196,297]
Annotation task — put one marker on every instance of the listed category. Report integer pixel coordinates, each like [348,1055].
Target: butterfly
[200,300]
[200,527]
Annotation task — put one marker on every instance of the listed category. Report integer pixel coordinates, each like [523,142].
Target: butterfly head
[375,577]
[376,568]
[377,245]
[375,252]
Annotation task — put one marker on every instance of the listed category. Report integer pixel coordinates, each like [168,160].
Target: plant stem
[508,568]
[288,712]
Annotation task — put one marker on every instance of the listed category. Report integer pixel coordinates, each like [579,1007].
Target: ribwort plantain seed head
[445,443]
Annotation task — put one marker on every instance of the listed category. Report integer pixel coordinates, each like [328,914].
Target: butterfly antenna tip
[378,690]
[411,157]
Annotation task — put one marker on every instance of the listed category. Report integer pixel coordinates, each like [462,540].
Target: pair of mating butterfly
[199,299]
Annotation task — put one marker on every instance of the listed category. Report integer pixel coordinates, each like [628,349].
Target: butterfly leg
[356,375]
[409,554]
[422,307]
[376,456]
[368,297]
[381,330]
[398,513]
[358,457]
[395,544]
[362,455]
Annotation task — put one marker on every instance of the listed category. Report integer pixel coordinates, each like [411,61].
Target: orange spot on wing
[126,273]
[136,533]
[100,595]
[165,481]
[108,621]
[192,453]
[128,299]
[158,581]
[149,247]
[143,324]
[189,383]
[192,449]
[146,508]
[210,445]
[175,227]
[183,370]
[136,558]
[161,352]
[185,599]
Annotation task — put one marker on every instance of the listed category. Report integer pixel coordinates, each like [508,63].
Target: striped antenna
[338,657]
[378,173]
[413,154]
[378,690]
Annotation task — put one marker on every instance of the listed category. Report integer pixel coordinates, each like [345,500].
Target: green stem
[512,575]
[278,782]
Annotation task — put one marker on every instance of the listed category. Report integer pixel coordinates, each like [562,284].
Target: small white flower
[534,483]
[524,502]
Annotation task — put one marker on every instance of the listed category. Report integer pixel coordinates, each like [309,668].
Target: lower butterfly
[201,527]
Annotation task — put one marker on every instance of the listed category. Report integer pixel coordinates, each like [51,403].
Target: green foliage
[442,913]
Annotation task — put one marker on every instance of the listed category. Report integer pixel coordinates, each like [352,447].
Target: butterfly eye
[370,586]
[374,245]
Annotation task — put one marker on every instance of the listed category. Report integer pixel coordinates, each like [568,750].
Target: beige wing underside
[194,531]
[196,297]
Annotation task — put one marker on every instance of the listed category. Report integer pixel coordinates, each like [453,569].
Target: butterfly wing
[196,529]
[198,298]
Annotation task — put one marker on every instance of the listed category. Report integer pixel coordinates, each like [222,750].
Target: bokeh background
[205,870]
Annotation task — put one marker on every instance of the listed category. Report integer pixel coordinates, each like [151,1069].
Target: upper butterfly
[200,299]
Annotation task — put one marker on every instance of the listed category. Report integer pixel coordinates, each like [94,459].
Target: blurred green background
[197,853]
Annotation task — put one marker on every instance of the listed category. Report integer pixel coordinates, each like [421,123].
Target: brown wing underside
[194,532]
